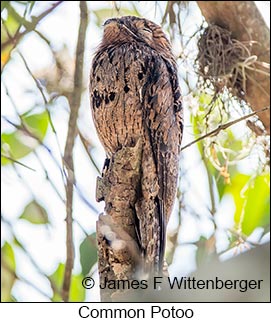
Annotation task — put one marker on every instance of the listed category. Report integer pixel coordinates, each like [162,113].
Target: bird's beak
[121,25]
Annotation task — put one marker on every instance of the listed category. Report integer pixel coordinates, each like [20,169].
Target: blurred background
[222,206]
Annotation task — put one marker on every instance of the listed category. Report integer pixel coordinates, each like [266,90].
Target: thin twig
[28,254]
[46,102]
[86,145]
[211,188]
[223,127]
[48,177]
[17,162]
[22,279]
[31,26]
[33,262]
[84,199]
[22,127]
[68,154]
[79,191]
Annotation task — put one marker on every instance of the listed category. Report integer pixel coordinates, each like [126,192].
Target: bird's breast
[117,79]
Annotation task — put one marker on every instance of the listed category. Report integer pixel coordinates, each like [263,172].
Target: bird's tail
[151,217]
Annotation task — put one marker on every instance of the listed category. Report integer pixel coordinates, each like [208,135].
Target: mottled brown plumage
[134,95]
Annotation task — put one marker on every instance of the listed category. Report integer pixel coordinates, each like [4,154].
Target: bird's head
[130,28]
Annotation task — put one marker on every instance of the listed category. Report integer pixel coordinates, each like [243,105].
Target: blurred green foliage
[88,253]
[35,213]
[77,293]
[28,135]
[8,269]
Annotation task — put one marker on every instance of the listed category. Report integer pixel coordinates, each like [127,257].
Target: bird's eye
[146,30]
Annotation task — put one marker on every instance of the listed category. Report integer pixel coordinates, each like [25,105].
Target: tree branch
[245,22]
[68,158]
[87,146]
[223,127]
[17,162]
[30,27]
[118,252]
[46,103]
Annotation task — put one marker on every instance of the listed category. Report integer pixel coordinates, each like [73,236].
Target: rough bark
[118,252]
[245,22]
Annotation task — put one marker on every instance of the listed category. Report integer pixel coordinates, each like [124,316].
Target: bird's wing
[162,119]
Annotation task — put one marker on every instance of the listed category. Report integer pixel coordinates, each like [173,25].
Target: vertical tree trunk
[118,253]
[246,23]
[68,154]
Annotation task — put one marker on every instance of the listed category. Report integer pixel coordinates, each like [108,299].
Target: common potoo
[135,95]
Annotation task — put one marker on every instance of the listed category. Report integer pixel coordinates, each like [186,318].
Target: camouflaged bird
[135,94]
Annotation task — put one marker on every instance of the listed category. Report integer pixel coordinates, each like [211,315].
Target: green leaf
[8,275]
[238,183]
[17,17]
[195,123]
[222,186]
[230,141]
[17,243]
[12,146]
[252,201]
[77,291]
[35,213]
[4,5]
[204,100]
[10,28]
[88,253]
[257,207]
[37,124]
[56,280]
[19,143]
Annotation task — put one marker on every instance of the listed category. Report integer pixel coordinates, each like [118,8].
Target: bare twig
[51,182]
[25,130]
[31,259]
[31,26]
[22,279]
[86,145]
[46,102]
[28,254]
[169,12]
[72,125]
[223,127]
[81,195]
[33,262]
[17,162]
[84,198]
[68,158]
